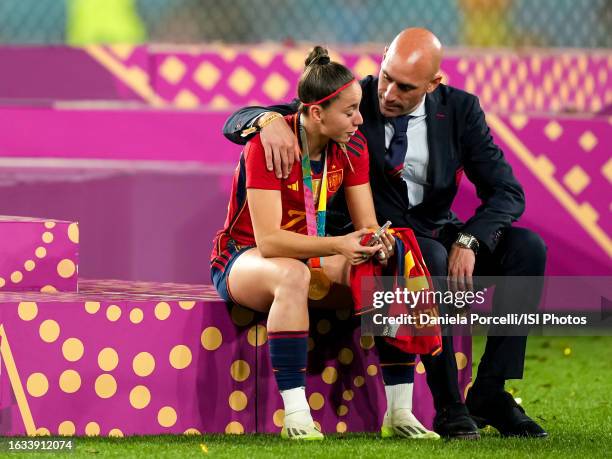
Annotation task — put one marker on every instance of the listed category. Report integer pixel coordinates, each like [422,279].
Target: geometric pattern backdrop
[222,76]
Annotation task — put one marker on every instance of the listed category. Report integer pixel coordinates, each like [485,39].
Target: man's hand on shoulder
[280,145]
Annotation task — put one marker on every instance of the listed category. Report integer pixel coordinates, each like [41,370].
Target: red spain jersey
[348,168]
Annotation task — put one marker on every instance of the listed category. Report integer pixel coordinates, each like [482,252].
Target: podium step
[141,358]
[38,255]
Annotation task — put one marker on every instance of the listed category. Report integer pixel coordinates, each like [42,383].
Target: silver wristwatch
[468,241]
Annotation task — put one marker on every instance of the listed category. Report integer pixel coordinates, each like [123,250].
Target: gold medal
[319,284]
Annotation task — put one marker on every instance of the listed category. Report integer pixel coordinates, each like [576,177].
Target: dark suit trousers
[520,252]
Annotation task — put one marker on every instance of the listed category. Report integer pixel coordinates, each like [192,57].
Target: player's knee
[295,277]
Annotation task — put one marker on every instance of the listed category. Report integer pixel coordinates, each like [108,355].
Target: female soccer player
[272,254]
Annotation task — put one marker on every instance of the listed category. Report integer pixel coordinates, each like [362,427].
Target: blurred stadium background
[506,23]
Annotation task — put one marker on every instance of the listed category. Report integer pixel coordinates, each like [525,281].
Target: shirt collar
[419,110]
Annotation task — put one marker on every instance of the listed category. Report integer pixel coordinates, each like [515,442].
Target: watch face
[464,239]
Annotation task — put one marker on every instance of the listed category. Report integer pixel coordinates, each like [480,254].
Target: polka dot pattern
[141,348]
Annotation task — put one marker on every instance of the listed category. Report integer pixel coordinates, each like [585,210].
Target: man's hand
[281,147]
[461,261]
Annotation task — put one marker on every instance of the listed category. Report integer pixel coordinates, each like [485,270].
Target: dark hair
[321,77]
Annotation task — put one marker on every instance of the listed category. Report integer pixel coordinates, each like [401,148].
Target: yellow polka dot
[42,432]
[348,395]
[329,375]
[92,429]
[187,305]
[92,306]
[49,225]
[40,252]
[47,237]
[143,364]
[108,359]
[136,315]
[366,342]
[240,370]
[113,313]
[72,349]
[70,381]
[211,338]
[162,310]
[420,368]
[238,400]
[466,390]
[180,357]
[316,401]
[235,428]
[106,386]
[140,397]
[166,417]
[29,265]
[37,384]
[278,417]
[2,282]
[345,356]
[49,331]
[323,326]
[115,433]
[257,335]
[16,277]
[66,268]
[359,381]
[341,427]
[73,232]
[343,314]
[461,359]
[342,410]
[311,344]
[27,310]
[66,428]
[241,316]
[48,289]
[192,431]
[372,370]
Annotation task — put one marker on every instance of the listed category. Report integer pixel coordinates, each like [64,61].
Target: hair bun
[318,56]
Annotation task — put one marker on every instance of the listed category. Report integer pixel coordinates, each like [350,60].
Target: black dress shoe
[501,411]
[454,422]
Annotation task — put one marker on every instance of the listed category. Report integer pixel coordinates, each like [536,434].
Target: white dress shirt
[417,156]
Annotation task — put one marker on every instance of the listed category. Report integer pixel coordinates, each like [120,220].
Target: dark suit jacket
[459,141]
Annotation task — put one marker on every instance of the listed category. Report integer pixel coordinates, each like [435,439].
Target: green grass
[567,389]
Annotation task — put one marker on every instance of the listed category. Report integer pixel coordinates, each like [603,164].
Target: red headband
[333,94]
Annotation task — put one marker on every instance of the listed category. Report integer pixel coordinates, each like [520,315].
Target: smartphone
[378,233]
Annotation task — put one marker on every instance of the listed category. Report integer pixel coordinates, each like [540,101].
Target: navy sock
[289,353]
[397,366]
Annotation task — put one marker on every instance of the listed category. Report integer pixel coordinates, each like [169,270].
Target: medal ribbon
[315,220]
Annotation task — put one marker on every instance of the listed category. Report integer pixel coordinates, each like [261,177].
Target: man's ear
[385,53]
[434,83]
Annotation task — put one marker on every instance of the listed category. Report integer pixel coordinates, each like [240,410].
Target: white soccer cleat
[295,431]
[402,423]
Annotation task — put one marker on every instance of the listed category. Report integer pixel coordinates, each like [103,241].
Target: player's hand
[388,247]
[350,246]
[281,147]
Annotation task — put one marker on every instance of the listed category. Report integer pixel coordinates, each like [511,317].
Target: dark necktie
[396,153]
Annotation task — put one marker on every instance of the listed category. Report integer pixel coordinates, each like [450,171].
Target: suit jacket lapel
[373,123]
[438,138]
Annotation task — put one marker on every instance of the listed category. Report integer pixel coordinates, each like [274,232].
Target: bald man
[422,136]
